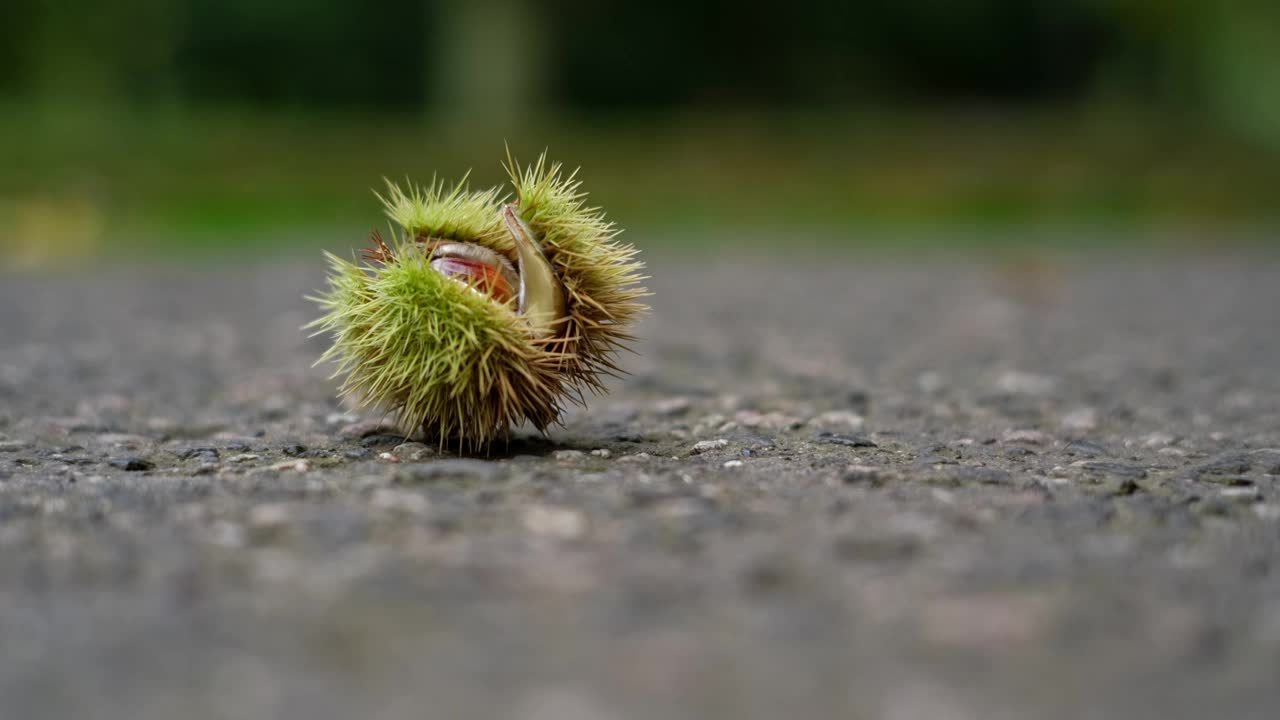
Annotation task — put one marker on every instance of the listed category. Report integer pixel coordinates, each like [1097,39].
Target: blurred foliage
[1218,57]
[218,118]
[232,181]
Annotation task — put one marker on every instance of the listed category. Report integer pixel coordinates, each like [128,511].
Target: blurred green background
[236,126]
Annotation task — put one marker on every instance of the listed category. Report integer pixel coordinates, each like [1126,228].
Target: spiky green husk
[447,213]
[439,355]
[450,361]
[601,275]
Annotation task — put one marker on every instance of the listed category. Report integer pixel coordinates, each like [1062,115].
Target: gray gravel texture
[851,487]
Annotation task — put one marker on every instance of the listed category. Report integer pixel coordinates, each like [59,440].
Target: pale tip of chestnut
[541,295]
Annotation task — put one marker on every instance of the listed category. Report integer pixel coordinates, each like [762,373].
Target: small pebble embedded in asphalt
[132,464]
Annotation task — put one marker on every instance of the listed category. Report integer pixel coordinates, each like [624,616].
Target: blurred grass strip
[82,181]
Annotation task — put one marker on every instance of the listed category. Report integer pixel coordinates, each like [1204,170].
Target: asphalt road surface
[831,487]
